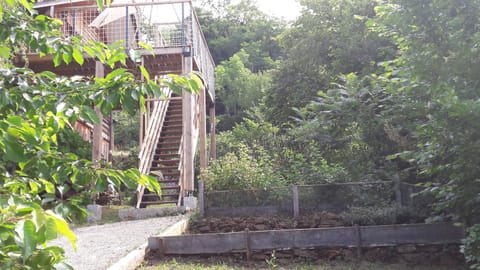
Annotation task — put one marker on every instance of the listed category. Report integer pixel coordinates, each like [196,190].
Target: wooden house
[171,129]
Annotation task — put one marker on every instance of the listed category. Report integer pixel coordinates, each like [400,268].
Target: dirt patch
[237,224]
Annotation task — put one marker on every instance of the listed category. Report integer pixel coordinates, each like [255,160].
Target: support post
[112,138]
[359,241]
[188,133]
[410,192]
[213,143]
[143,121]
[201,198]
[398,190]
[248,248]
[97,127]
[203,130]
[296,208]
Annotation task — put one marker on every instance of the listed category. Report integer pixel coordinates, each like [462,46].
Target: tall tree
[328,39]
[437,72]
[238,89]
[239,26]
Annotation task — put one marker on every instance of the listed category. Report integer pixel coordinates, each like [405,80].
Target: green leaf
[38,217]
[49,187]
[29,239]
[15,120]
[67,58]
[15,152]
[63,228]
[50,230]
[57,59]
[145,73]
[78,56]
[4,50]
[146,46]
[89,115]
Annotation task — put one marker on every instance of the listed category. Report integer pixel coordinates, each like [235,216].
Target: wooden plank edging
[382,235]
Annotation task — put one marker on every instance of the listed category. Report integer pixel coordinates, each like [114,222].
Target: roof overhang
[57,3]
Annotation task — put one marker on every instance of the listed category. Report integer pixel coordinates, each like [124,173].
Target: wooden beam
[371,236]
[203,129]
[187,119]
[213,143]
[97,127]
[112,138]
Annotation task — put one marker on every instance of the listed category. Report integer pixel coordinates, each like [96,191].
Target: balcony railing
[160,24]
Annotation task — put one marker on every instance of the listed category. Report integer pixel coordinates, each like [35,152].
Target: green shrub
[381,215]
[471,246]
[242,170]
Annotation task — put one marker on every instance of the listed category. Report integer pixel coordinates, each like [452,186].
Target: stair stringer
[154,128]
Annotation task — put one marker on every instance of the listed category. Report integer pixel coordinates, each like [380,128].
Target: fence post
[398,189]
[248,248]
[410,192]
[296,208]
[201,198]
[359,241]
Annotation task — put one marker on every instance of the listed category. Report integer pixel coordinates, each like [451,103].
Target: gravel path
[100,246]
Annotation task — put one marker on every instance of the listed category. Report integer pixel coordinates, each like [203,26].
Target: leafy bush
[471,246]
[242,170]
[381,215]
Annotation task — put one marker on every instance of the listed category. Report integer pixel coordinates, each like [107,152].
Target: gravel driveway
[100,246]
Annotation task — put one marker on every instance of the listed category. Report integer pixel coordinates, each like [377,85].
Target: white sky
[289,9]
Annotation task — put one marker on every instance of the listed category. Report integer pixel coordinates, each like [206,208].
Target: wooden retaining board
[364,236]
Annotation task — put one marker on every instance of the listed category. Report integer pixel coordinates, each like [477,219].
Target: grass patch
[216,263]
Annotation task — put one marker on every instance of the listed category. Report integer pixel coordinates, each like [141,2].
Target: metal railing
[155,24]
[158,24]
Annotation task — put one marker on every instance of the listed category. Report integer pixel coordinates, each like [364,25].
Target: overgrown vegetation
[360,91]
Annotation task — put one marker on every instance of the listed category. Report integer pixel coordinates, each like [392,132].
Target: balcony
[170,27]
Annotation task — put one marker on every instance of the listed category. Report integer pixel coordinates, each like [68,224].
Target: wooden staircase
[166,160]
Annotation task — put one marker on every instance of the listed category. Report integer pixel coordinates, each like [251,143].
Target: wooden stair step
[164,138]
[170,174]
[166,149]
[173,132]
[172,121]
[166,161]
[173,182]
[171,151]
[158,202]
[150,195]
[171,188]
[172,126]
[164,156]
[168,143]
[167,168]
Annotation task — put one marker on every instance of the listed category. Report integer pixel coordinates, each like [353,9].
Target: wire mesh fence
[361,198]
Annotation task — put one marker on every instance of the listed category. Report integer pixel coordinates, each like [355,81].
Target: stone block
[94,213]
[190,203]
